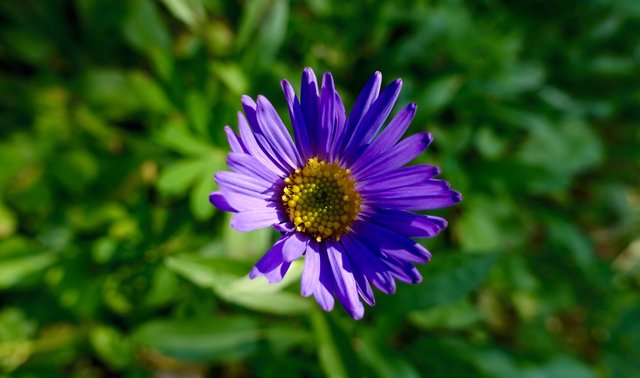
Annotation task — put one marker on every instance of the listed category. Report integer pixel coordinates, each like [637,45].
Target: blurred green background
[113,263]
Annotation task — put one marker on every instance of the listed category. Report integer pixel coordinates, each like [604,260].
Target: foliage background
[112,262]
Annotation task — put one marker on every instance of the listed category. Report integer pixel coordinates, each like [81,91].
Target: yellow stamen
[321,199]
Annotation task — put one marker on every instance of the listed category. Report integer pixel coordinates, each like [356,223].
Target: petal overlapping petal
[371,244]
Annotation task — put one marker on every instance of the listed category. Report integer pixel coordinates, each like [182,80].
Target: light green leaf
[198,111]
[152,96]
[250,21]
[457,315]
[207,272]
[252,244]
[206,340]
[232,76]
[112,347]
[179,176]
[175,135]
[191,12]
[229,281]
[16,269]
[144,28]
[440,92]
[201,208]
[330,347]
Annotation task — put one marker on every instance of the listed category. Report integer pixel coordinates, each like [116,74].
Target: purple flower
[340,193]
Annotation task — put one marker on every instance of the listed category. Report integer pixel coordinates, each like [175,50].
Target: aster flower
[340,193]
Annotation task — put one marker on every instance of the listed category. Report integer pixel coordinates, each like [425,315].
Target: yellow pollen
[321,199]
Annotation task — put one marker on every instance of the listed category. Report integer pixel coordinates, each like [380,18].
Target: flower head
[340,192]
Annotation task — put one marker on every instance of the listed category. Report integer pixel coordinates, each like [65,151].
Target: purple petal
[407,223]
[392,243]
[366,97]
[294,246]
[311,270]
[327,117]
[278,157]
[234,142]
[272,264]
[405,176]
[254,149]
[369,262]
[394,158]
[417,201]
[249,165]
[368,127]
[298,123]
[402,270]
[248,185]
[399,269]
[389,136]
[255,219]
[247,202]
[345,284]
[428,187]
[309,100]
[285,227]
[364,287]
[218,200]
[276,132]
[323,292]
[340,127]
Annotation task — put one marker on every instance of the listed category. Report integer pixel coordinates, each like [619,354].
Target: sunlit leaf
[210,340]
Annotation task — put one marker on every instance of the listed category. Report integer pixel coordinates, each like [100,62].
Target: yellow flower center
[321,199]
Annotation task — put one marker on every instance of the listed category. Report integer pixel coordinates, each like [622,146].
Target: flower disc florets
[321,199]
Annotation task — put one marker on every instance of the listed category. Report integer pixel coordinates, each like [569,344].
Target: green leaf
[201,208]
[17,269]
[447,278]
[266,24]
[202,340]
[252,244]
[207,272]
[198,111]
[259,295]
[250,21]
[457,315]
[191,12]
[232,76]
[175,135]
[152,96]
[112,347]
[144,28]
[440,92]
[334,354]
[566,235]
[229,281]
[560,366]
[488,223]
[563,149]
[384,362]
[179,176]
